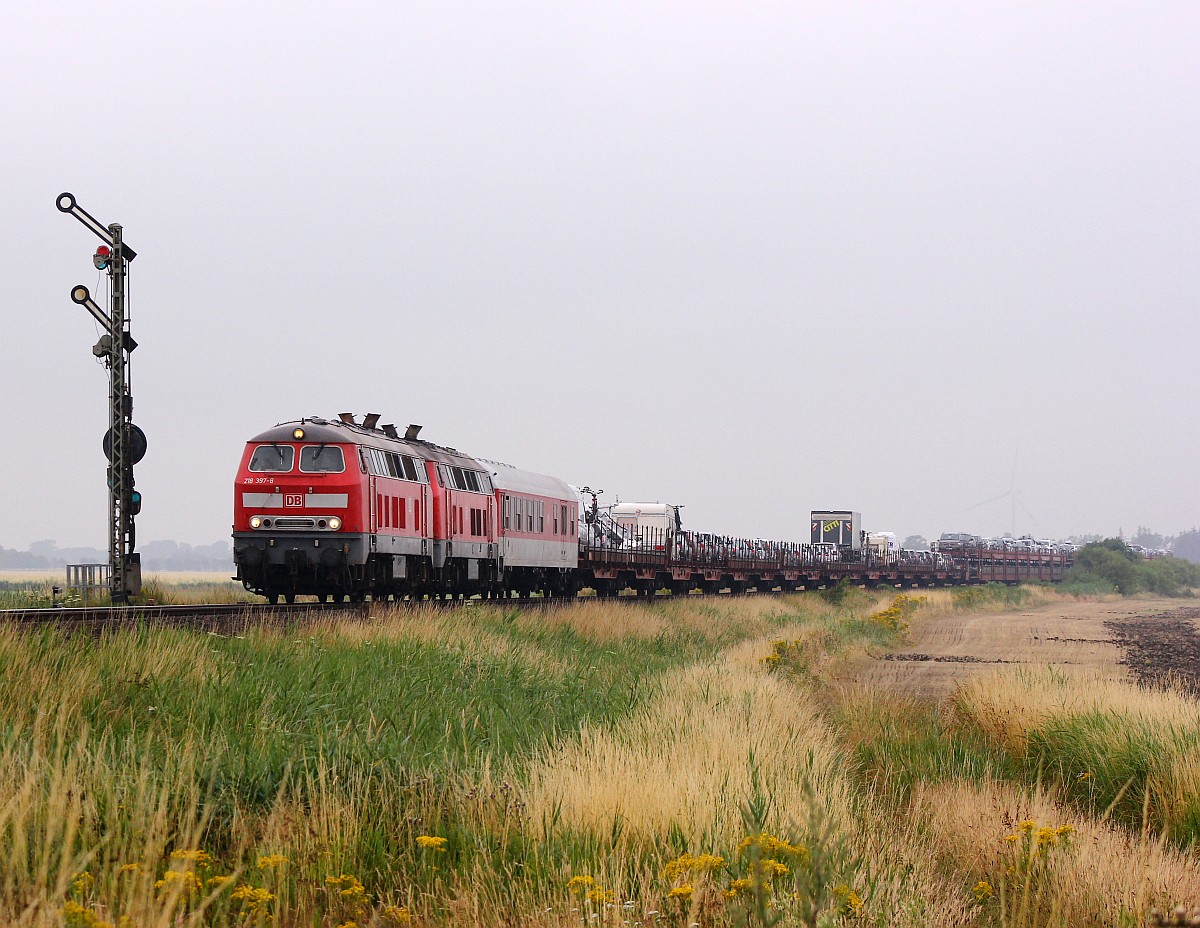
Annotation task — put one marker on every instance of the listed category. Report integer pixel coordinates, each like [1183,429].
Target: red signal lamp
[101,257]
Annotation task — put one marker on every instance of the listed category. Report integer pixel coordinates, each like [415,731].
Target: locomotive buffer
[124,443]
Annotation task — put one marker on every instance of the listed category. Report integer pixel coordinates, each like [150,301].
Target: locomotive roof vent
[411,433]
[370,420]
[347,417]
[390,431]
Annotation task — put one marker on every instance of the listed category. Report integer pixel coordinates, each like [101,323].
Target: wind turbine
[1011,495]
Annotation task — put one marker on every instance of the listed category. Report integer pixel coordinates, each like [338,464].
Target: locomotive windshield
[321,459]
[273,459]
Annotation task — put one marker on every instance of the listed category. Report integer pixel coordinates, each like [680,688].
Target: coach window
[541,518]
[272,459]
[410,468]
[507,508]
[321,459]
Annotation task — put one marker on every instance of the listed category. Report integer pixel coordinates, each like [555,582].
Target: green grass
[898,744]
[411,732]
[999,595]
[339,746]
[1113,765]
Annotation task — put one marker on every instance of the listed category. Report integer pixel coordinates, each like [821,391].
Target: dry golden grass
[1101,876]
[687,765]
[462,627]
[56,818]
[1007,706]
[685,760]
[613,620]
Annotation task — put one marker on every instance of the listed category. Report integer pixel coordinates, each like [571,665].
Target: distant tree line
[1113,564]
[156,555]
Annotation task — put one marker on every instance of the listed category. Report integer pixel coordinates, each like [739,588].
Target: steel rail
[210,616]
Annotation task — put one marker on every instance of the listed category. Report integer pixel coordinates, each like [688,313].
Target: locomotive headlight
[335,523]
[256,521]
[297,433]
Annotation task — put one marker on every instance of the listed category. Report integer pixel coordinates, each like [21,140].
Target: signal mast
[124,443]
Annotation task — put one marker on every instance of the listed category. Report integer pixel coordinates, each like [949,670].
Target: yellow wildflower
[599,895]
[1063,830]
[271,861]
[580,884]
[687,863]
[348,925]
[129,868]
[772,868]
[396,915]
[83,884]
[78,916]
[183,882]
[771,846]
[252,898]
[431,842]
[737,888]
[216,882]
[849,902]
[983,891]
[1027,826]
[682,892]
[200,860]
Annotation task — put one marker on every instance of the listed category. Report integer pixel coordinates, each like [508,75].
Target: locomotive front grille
[294,522]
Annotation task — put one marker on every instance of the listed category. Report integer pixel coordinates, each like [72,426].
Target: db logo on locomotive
[293,499]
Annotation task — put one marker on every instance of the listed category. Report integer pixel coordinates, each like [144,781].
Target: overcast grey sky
[753,258]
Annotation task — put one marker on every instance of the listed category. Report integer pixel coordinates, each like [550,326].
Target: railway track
[226,617]
[203,616]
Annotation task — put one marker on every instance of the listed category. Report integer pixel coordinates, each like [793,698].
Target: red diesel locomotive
[346,509]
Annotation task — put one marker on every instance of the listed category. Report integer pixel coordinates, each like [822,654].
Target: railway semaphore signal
[124,443]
